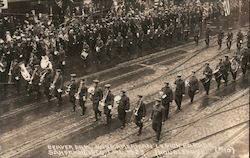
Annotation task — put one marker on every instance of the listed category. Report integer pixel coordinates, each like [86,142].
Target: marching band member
[82,94]
[85,53]
[72,89]
[158,118]
[220,38]
[96,97]
[123,108]
[119,42]
[245,61]
[234,67]
[197,34]
[227,66]
[240,37]
[193,86]
[220,67]
[167,98]
[109,46]
[108,101]
[48,78]
[58,86]
[99,48]
[179,91]
[140,113]
[208,73]
[207,35]
[229,38]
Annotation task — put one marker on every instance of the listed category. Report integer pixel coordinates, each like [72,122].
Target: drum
[217,73]
[84,55]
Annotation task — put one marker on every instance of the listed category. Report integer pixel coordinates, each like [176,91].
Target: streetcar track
[82,127]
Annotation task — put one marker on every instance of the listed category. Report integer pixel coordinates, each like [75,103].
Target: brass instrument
[42,76]
[78,92]
[52,85]
[138,107]
[102,102]
[24,72]
[33,75]
[10,72]
[68,88]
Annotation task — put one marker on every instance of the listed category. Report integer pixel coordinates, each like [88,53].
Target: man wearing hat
[123,107]
[72,88]
[193,86]
[158,118]
[140,113]
[245,61]
[34,82]
[15,72]
[96,97]
[227,65]
[82,95]
[208,73]
[48,79]
[221,68]
[220,38]
[58,86]
[108,100]
[207,35]
[240,37]
[179,91]
[166,98]
[234,67]
[229,38]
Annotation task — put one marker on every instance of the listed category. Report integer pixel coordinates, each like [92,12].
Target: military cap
[96,81]
[72,75]
[139,95]
[207,63]
[193,72]
[107,86]
[123,91]
[167,83]
[58,70]
[178,75]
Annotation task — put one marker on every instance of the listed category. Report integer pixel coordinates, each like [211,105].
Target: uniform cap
[58,70]
[72,75]
[96,81]
[139,95]
[107,86]
[178,75]
[123,91]
[167,83]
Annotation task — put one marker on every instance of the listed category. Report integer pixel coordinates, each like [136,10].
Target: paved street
[29,126]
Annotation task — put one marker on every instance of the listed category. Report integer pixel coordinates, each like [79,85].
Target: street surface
[221,120]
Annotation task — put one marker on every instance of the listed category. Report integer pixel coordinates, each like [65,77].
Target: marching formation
[37,52]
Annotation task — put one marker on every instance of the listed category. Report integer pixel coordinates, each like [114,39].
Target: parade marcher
[85,53]
[99,49]
[140,40]
[120,43]
[48,79]
[34,82]
[96,97]
[82,95]
[219,73]
[207,36]
[186,32]
[193,86]
[57,86]
[108,102]
[227,66]
[208,74]
[140,113]
[109,47]
[14,75]
[229,39]
[239,40]
[167,98]
[179,91]
[245,61]
[72,89]
[234,67]
[197,34]
[220,38]
[123,107]
[158,118]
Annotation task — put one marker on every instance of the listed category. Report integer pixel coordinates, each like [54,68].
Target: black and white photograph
[124,78]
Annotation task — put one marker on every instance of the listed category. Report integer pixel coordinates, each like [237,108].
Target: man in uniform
[123,108]
[167,98]
[58,89]
[83,91]
[193,86]
[220,38]
[158,118]
[99,48]
[245,61]
[229,39]
[234,67]
[221,69]
[109,47]
[140,113]
[85,51]
[96,98]
[34,82]
[120,43]
[239,40]
[227,66]
[179,91]
[72,88]
[207,34]
[48,79]
[208,73]
[108,103]
[197,34]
